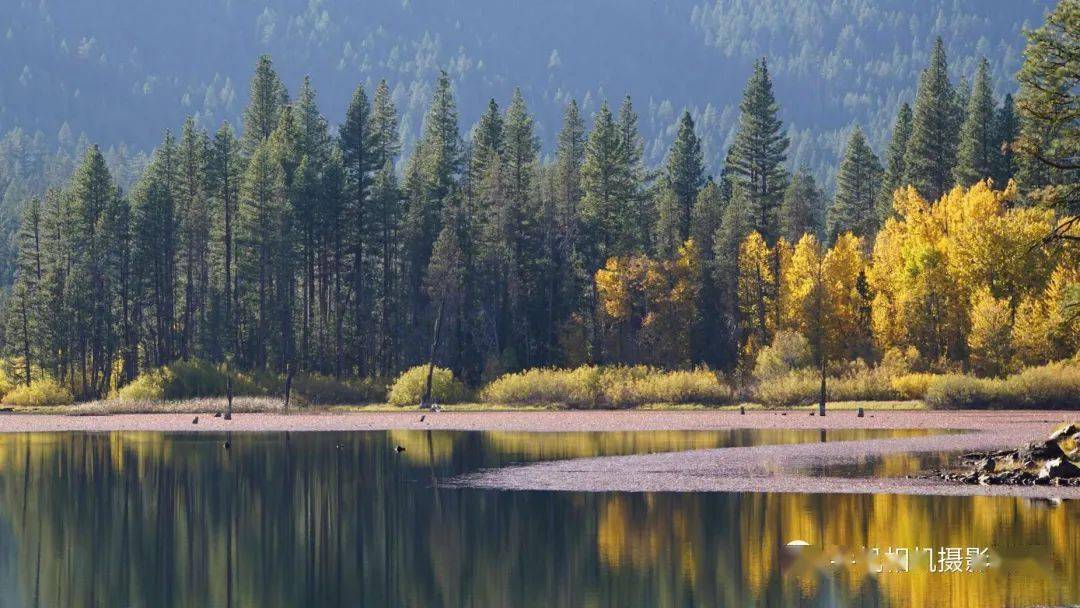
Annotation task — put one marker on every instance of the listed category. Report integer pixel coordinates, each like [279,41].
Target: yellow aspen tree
[754,297]
[990,339]
[781,258]
[847,334]
[1047,326]
[800,281]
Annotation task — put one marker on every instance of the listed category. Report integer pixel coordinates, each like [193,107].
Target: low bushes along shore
[1052,386]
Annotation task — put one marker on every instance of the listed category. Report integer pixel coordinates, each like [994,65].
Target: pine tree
[931,151]
[193,235]
[360,152]
[895,174]
[1006,130]
[486,145]
[705,219]
[605,180]
[635,216]
[977,151]
[759,152]
[385,223]
[259,215]
[857,184]
[22,332]
[520,147]
[569,157]
[92,194]
[684,177]
[224,176]
[801,210]
[267,98]
[1049,142]
[431,177]
[569,293]
[384,121]
[155,251]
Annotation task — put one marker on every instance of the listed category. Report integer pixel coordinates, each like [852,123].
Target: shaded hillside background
[117,73]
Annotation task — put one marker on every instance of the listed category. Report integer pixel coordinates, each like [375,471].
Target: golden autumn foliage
[649,306]
[755,297]
[938,268]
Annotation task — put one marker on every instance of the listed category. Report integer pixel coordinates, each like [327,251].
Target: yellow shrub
[40,392]
[911,386]
[408,389]
[1051,386]
[593,386]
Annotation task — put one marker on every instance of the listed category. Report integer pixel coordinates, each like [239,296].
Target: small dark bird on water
[399,449]
[860,414]
[783,413]
[195,421]
[811,413]
[422,418]
[217,414]
[226,445]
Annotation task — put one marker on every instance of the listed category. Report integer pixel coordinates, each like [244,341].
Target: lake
[344,519]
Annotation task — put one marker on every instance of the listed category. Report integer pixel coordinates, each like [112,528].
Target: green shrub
[594,386]
[1051,386]
[40,392]
[316,389]
[408,389]
[192,379]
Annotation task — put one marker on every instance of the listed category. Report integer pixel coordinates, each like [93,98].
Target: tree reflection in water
[290,519]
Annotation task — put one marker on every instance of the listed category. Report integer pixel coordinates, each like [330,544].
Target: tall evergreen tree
[223,182]
[360,154]
[431,177]
[759,152]
[194,237]
[637,217]
[931,151]
[486,145]
[1049,142]
[22,331]
[857,184]
[801,210]
[895,174]
[1006,130]
[155,252]
[605,181]
[685,175]
[267,98]
[977,150]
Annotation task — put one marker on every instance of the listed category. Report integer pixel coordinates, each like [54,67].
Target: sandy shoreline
[542,421]
[770,468]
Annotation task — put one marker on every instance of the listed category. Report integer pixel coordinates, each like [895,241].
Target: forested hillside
[118,71]
[114,73]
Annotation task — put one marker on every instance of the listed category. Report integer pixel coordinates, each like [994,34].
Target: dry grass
[202,405]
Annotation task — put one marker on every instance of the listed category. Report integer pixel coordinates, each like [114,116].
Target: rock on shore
[1050,462]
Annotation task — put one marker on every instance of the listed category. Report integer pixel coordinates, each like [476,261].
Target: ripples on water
[342,519]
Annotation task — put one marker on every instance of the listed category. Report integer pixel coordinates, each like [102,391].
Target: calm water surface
[342,519]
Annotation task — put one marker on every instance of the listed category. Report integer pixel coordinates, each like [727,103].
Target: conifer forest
[289,242]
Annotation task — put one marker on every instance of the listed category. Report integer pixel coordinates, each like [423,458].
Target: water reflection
[301,519]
